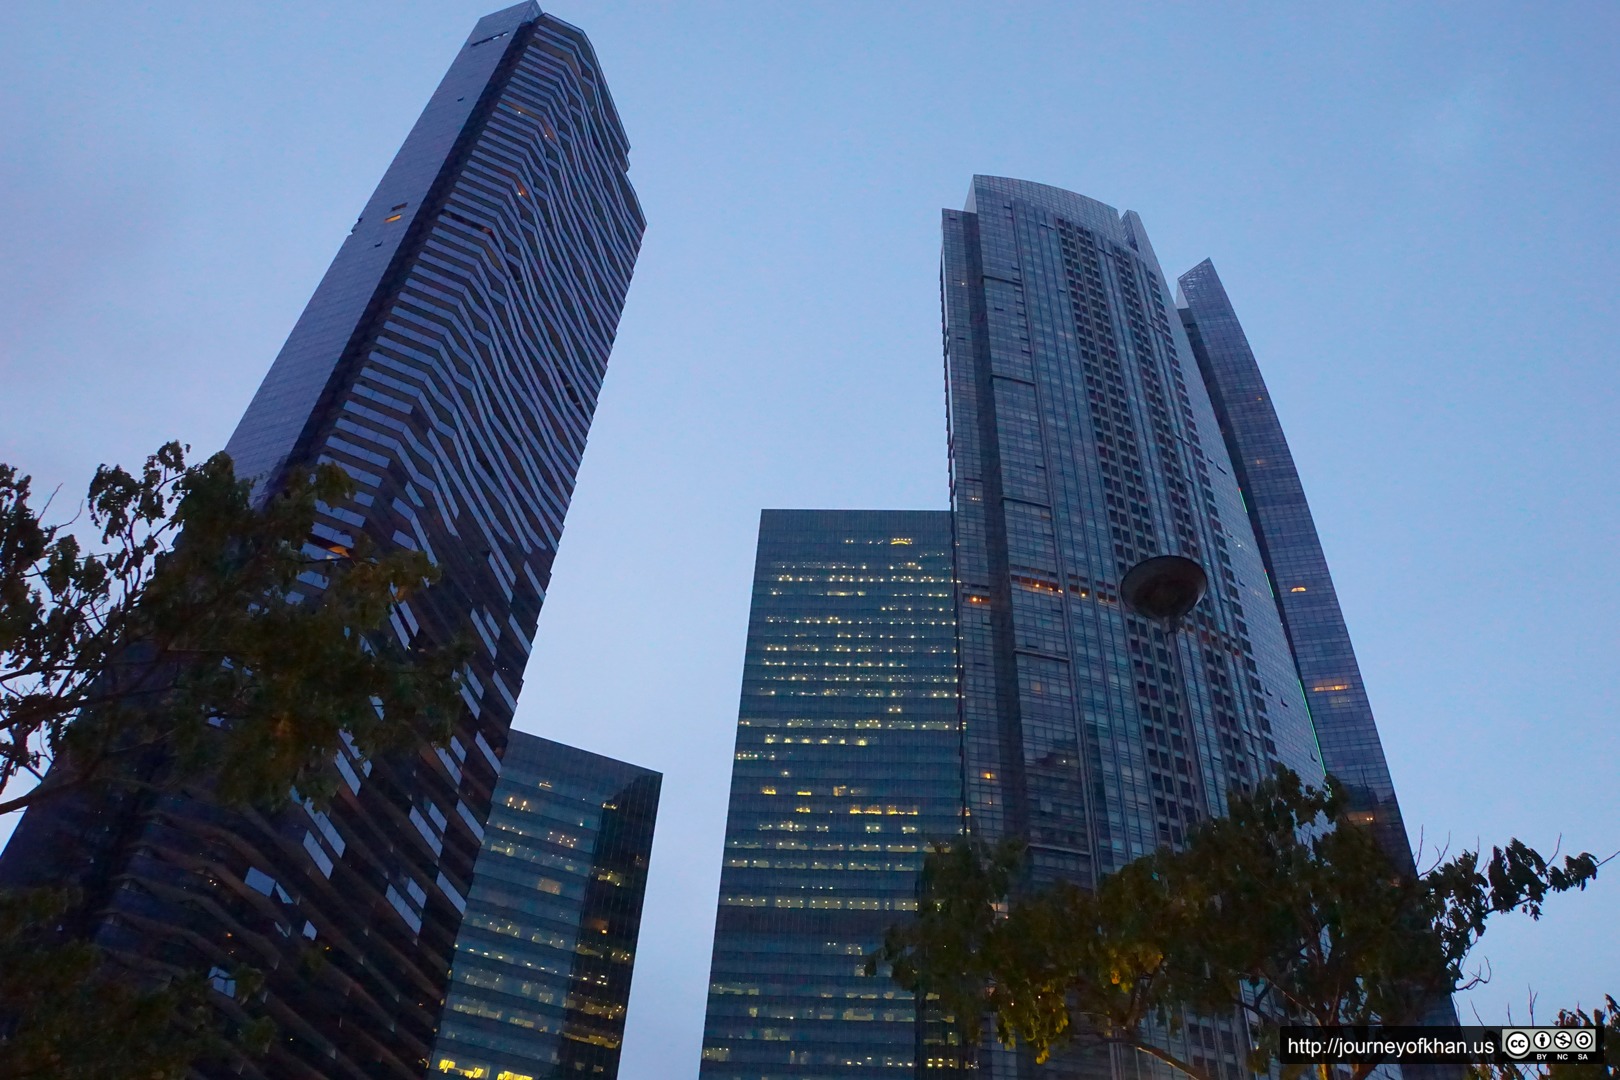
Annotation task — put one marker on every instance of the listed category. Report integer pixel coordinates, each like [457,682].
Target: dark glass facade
[450,362]
[1083,441]
[1282,524]
[1306,598]
[543,962]
[1090,426]
[847,764]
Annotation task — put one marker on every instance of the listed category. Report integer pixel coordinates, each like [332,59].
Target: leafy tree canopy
[1282,911]
[220,635]
[69,1016]
[177,633]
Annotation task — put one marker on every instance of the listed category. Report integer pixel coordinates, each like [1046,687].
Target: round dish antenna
[1164,588]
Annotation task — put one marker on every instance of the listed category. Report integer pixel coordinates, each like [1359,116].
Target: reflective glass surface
[847,764]
[1306,599]
[1282,523]
[1083,441]
[543,962]
[449,361]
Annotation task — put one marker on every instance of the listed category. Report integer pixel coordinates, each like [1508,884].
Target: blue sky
[1414,208]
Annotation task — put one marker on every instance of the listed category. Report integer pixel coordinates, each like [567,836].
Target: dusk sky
[1415,210]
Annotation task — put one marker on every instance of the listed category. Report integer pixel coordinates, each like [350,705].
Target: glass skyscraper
[450,362]
[1318,638]
[1083,441]
[1091,426]
[848,763]
[1282,524]
[543,962]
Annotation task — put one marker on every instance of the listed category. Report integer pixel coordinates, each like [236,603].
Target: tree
[222,637]
[67,1016]
[1282,911]
[196,640]
[1607,1019]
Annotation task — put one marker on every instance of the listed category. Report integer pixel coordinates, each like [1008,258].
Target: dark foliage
[1282,910]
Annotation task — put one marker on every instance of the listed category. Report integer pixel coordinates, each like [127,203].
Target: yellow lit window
[395,217]
[1297,588]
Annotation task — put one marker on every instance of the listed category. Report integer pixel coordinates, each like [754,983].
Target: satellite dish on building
[1164,588]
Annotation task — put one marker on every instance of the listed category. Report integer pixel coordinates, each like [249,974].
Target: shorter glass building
[542,969]
[848,764]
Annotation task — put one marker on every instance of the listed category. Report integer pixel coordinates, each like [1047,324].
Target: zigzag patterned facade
[450,361]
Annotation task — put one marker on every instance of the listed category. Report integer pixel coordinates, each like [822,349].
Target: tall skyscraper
[543,962]
[848,762]
[1083,441]
[1309,605]
[450,362]
[1086,434]
[1283,527]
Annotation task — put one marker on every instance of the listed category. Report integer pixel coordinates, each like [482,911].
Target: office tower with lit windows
[543,963]
[847,764]
[450,362]
[1083,441]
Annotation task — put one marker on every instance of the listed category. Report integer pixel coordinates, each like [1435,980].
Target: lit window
[1297,588]
[395,217]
